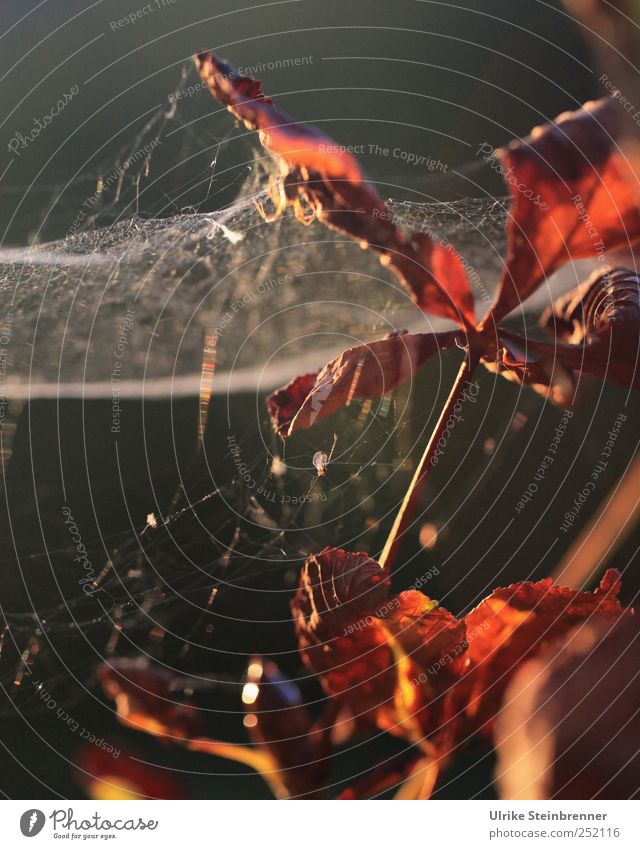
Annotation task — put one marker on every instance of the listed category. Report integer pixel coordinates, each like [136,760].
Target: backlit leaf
[364,371]
[322,180]
[573,196]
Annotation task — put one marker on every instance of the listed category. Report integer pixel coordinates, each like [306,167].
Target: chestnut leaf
[321,180]
[364,371]
[573,196]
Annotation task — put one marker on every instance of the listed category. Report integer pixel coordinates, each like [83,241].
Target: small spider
[320,460]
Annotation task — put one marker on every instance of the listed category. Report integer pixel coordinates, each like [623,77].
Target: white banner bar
[311,825]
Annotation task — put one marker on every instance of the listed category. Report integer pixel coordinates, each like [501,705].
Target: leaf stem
[416,487]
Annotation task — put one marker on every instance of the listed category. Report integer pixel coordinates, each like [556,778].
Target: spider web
[165,284]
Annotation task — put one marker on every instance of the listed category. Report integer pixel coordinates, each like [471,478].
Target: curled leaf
[364,371]
[601,320]
[572,197]
[352,633]
[336,588]
[596,330]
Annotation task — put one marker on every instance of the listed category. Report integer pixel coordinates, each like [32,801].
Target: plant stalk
[414,493]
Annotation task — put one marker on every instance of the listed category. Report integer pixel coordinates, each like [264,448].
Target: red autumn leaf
[547,377]
[283,404]
[106,776]
[600,320]
[364,371]
[413,668]
[514,624]
[573,196]
[322,180]
[298,144]
[145,701]
[336,588]
[345,619]
[432,272]
[278,721]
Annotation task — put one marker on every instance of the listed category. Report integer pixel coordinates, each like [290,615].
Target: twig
[416,487]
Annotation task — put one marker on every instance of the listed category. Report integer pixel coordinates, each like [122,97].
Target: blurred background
[140,149]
